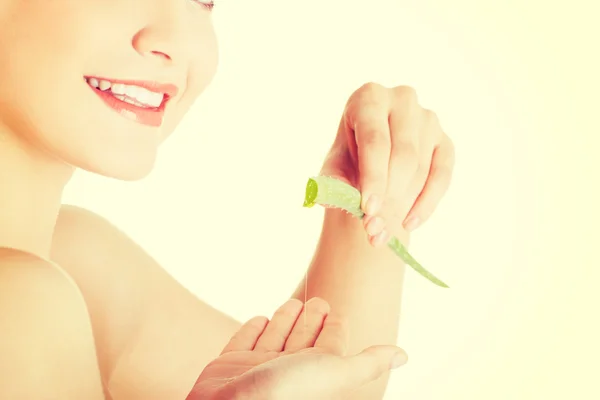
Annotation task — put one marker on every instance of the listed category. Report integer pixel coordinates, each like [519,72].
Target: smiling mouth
[141,101]
[132,94]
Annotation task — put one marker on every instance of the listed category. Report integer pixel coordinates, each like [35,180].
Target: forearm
[362,282]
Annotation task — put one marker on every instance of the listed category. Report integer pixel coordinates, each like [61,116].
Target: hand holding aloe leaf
[397,154]
[331,192]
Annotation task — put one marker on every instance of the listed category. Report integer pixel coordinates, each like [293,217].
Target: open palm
[299,354]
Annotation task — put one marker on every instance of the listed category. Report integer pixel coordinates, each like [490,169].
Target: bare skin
[50,342]
[299,354]
[46,333]
[87,307]
[157,314]
[346,281]
[144,319]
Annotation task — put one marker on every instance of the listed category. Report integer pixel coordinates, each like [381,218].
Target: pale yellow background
[515,84]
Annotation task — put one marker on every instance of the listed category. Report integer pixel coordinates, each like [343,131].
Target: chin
[124,163]
[127,173]
[132,167]
[114,147]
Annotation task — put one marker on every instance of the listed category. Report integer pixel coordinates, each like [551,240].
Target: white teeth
[128,100]
[131,91]
[156,98]
[104,85]
[118,88]
[130,94]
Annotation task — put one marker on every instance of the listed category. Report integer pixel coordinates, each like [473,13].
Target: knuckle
[431,118]
[406,94]
[370,93]
[406,152]
[374,138]
[370,88]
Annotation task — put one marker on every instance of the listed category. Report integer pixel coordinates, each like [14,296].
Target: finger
[429,136]
[372,364]
[373,225]
[372,135]
[419,179]
[245,338]
[276,333]
[334,336]
[405,125]
[308,325]
[436,186]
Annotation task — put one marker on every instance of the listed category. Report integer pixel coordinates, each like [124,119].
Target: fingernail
[399,360]
[412,223]
[375,226]
[381,238]
[373,205]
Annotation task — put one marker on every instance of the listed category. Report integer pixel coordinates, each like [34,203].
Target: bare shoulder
[44,324]
[18,265]
[143,314]
[90,248]
[21,272]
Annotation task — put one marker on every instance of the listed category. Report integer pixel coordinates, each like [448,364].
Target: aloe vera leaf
[331,192]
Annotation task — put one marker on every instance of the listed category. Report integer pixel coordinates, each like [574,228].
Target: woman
[85,313]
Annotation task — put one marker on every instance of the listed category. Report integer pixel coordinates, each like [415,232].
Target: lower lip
[145,116]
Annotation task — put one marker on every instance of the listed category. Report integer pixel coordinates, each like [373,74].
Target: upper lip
[169,89]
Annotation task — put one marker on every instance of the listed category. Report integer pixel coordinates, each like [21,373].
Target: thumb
[372,363]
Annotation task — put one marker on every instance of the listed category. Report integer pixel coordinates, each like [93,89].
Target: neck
[31,187]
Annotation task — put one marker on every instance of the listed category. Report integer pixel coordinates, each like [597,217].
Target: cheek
[203,68]
[45,41]
[37,28]
[42,41]
[45,101]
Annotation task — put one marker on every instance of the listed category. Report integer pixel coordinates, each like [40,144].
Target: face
[98,84]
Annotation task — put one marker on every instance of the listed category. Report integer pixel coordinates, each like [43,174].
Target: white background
[512,82]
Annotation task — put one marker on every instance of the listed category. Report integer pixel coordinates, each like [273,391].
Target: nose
[164,38]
